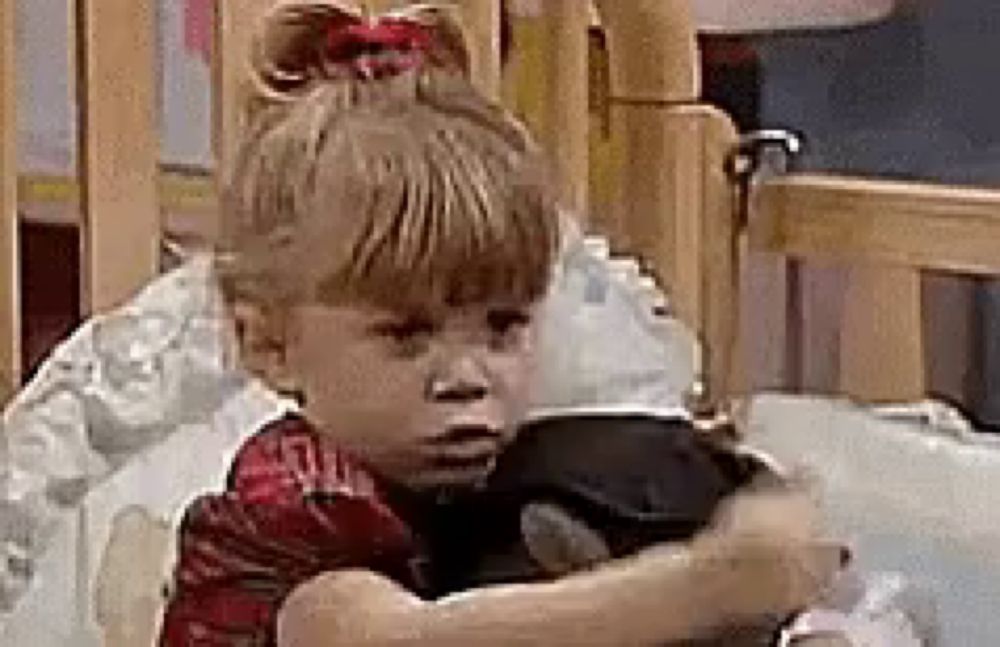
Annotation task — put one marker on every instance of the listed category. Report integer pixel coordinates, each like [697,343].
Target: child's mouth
[466,452]
[456,435]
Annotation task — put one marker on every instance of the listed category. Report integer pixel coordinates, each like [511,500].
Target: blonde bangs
[434,199]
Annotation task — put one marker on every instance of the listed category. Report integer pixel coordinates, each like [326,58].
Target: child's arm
[361,609]
[663,595]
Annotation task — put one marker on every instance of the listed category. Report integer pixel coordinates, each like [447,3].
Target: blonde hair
[400,190]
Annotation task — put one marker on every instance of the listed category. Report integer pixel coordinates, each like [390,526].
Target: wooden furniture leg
[10,305]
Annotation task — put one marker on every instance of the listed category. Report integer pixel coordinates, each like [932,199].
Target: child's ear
[264,335]
[559,542]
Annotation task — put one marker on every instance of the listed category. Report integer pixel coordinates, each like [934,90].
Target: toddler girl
[388,234]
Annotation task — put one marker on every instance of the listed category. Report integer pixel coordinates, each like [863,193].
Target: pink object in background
[198,28]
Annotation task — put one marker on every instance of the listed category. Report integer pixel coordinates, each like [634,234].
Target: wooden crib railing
[663,167]
[119,219]
[889,232]
[674,206]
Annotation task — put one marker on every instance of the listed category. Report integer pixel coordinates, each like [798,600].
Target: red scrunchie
[356,45]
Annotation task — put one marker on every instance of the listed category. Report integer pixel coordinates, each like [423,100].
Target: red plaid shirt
[293,509]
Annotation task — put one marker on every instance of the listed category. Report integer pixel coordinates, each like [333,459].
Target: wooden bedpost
[10,302]
[235,23]
[482,20]
[119,149]
[674,206]
[566,121]
[546,82]
[654,72]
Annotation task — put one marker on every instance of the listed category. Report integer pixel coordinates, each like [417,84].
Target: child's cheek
[515,377]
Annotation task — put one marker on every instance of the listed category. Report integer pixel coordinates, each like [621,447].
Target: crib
[676,178]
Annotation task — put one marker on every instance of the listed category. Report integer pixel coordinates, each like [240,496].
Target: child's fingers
[812,568]
[799,478]
[782,515]
[767,577]
[804,479]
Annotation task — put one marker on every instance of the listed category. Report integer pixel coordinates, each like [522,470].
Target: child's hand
[773,512]
[766,556]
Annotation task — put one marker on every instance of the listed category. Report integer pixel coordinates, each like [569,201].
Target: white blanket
[916,495]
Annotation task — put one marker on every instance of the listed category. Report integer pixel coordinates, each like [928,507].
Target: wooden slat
[566,120]
[178,192]
[481,19]
[523,75]
[653,68]
[119,148]
[235,23]
[706,253]
[10,335]
[681,220]
[882,356]
[654,53]
[917,225]
[674,205]
[546,84]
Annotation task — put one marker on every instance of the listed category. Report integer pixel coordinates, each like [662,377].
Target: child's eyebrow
[510,310]
[395,324]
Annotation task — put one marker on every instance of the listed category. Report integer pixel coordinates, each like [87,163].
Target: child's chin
[453,482]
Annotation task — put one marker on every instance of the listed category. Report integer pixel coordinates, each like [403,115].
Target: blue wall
[916,96]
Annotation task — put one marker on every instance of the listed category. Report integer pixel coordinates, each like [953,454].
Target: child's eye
[503,321]
[505,326]
[408,336]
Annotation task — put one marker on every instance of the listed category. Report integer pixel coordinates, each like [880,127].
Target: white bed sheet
[916,497]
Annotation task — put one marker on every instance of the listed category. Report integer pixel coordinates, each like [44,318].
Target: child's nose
[457,392]
[463,380]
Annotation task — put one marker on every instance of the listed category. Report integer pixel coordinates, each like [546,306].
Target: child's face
[427,398]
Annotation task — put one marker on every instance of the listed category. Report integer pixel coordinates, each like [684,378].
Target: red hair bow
[384,47]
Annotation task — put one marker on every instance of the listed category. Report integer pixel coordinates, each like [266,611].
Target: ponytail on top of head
[372,170]
[303,43]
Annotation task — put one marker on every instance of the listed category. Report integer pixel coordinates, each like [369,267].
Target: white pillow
[118,387]
[605,341]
